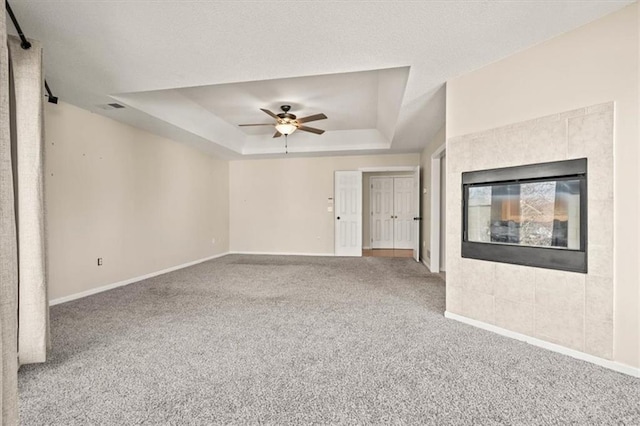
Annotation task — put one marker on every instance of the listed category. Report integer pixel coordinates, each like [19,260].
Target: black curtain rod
[52,99]
[24,43]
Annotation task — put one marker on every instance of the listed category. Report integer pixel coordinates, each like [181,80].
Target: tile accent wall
[570,309]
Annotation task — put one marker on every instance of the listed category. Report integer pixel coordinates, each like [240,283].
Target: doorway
[391,212]
[438,210]
[443,211]
[352,211]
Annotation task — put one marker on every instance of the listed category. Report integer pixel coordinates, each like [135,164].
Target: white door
[403,213]
[348,213]
[381,196]
[417,218]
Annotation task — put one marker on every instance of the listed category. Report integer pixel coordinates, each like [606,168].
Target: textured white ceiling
[95,49]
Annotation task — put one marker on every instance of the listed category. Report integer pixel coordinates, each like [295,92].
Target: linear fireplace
[534,215]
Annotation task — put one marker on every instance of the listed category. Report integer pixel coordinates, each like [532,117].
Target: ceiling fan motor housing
[285,114]
[288,116]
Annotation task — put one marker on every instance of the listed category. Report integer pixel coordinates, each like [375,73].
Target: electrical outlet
[99,261]
[213,241]
[424,243]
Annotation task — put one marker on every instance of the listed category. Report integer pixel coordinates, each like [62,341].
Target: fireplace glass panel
[535,214]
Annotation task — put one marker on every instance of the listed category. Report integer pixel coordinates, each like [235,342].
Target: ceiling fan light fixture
[286,128]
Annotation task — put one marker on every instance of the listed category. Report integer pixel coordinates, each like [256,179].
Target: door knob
[338,218]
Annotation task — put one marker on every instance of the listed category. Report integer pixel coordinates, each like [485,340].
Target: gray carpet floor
[300,340]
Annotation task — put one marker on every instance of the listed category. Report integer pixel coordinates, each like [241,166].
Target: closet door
[381,212]
[403,197]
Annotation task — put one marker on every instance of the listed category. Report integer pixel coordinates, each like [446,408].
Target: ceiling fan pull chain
[286,148]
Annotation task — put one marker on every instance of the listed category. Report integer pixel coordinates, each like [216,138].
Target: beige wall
[571,309]
[280,205]
[141,202]
[425,161]
[594,64]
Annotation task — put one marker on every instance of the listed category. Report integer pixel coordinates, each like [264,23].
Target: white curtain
[23,290]
[27,147]
[8,250]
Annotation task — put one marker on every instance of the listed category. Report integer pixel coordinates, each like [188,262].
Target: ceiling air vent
[108,107]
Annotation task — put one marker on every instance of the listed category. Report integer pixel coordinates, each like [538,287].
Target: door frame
[386,169]
[436,196]
[391,176]
[376,169]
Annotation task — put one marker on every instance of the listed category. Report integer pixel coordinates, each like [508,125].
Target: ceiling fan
[287,123]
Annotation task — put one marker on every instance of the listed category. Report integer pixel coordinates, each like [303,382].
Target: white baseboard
[129,281]
[366,248]
[272,253]
[612,365]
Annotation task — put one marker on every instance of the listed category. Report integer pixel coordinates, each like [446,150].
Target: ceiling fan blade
[261,124]
[311,130]
[277,134]
[269,113]
[313,117]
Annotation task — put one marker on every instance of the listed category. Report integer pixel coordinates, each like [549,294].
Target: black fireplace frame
[541,257]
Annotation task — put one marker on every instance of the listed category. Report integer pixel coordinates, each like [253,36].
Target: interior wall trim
[611,365]
[436,200]
[377,169]
[274,253]
[111,286]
